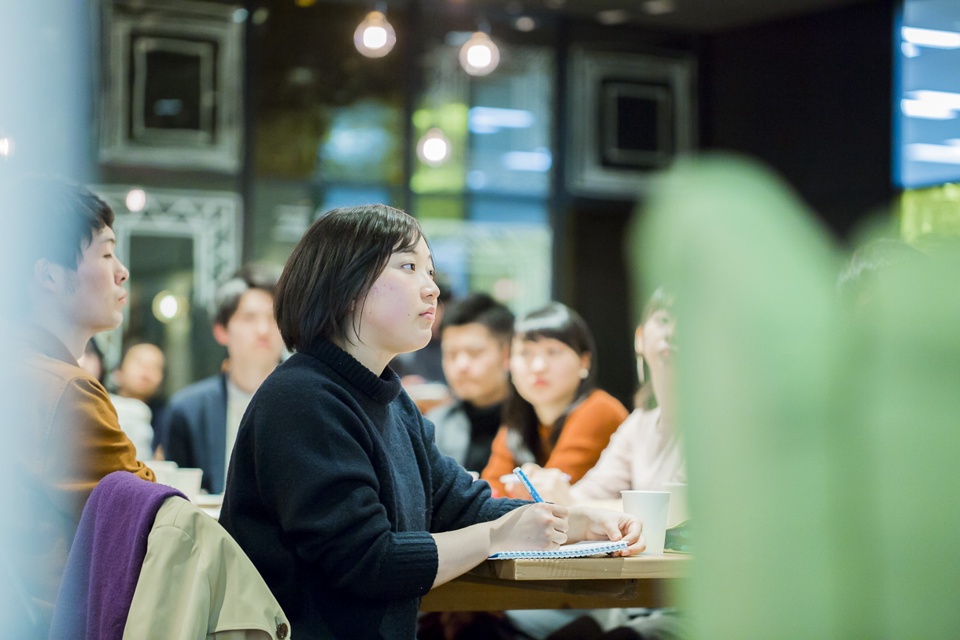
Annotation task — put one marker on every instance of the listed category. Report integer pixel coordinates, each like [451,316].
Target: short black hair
[333,267]
[51,219]
[249,276]
[64,217]
[480,308]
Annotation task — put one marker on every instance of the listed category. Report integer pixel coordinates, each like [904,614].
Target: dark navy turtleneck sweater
[333,490]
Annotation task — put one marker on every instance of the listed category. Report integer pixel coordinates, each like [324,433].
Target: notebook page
[574,550]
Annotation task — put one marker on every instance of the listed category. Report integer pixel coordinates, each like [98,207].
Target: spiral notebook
[575,550]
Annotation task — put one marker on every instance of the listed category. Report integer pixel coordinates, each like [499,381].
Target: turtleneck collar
[383,388]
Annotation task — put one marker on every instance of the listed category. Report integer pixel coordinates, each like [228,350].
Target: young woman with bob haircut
[336,490]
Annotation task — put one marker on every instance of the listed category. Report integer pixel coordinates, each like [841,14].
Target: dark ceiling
[692,16]
[672,15]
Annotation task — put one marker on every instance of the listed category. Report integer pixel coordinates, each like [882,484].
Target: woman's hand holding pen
[558,524]
[534,527]
[553,484]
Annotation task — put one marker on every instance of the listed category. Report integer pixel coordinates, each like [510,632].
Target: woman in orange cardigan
[553,415]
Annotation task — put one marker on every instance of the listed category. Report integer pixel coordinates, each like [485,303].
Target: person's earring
[640,375]
[584,372]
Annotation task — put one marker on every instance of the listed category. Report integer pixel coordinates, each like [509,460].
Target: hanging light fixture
[136,200]
[375,37]
[434,147]
[479,55]
[168,306]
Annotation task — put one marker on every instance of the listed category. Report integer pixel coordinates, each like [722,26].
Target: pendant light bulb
[374,37]
[434,148]
[479,55]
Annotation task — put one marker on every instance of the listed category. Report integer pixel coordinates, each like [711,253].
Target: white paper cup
[164,471]
[651,508]
[161,464]
[187,481]
[678,511]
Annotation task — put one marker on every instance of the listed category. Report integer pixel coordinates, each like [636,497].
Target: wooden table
[562,583]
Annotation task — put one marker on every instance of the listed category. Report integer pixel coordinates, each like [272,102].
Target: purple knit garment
[105,559]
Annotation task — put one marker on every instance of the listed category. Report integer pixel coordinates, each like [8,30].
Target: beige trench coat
[197,583]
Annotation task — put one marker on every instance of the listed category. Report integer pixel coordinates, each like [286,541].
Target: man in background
[475,341]
[68,286]
[137,380]
[202,419]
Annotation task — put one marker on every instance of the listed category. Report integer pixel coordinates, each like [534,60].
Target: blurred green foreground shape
[822,434]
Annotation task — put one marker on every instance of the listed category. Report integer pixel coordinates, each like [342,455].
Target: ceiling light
[926,110]
[434,147]
[136,200]
[931,105]
[932,38]
[613,16]
[300,76]
[168,306]
[537,161]
[374,37]
[482,120]
[6,147]
[260,16]
[937,153]
[659,7]
[947,98]
[479,55]
[525,24]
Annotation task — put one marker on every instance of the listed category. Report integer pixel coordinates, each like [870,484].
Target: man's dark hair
[333,267]
[63,219]
[480,308]
[49,219]
[249,276]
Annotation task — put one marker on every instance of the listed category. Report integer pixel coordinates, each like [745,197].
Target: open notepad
[575,550]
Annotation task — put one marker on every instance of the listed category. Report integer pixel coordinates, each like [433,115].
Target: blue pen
[529,485]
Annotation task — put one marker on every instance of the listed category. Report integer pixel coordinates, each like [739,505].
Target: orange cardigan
[585,435]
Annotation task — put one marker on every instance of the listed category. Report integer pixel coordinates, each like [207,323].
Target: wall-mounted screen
[927,93]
